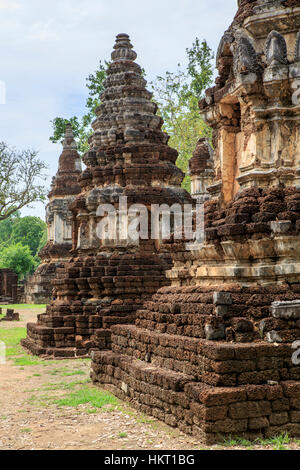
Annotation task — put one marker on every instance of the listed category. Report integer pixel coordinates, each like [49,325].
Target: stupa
[64,188]
[112,273]
[216,352]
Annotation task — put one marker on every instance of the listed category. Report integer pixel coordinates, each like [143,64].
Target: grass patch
[12,338]
[86,395]
[23,306]
[64,372]
[27,360]
[24,430]
[237,442]
[277,442]
[123,434]
[65,386]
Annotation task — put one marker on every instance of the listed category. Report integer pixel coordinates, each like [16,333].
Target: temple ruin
[204,339]
[64,188]
[213,353]
[107,279]
[9,291]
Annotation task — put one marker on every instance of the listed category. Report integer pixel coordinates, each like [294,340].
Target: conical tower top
[126,114]
[69,141]
[123,49]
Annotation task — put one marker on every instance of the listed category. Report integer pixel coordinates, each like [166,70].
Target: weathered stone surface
[214,333]
[286,310]
[9,289]
[11,315]
[222,298]
[281,226]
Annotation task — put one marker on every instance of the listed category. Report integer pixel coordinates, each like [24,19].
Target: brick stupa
[214,352]
[64,188]
[107,280]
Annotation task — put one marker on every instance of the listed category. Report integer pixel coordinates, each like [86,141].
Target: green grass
[64,385]
[24,430]
[23,306]
[86,395]
[64,372]
[11,338]
[123,434]
[237,442]
[277,442]
[27,360]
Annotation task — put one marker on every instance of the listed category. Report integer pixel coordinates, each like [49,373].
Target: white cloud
[9,5]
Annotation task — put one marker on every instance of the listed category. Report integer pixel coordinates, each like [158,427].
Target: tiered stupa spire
[69,141]
[64,188]
[108,280]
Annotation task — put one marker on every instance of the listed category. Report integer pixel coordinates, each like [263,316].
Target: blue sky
[48,48]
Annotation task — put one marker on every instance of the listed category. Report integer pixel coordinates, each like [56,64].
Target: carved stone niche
[245,65]
[276,50]
[277,72]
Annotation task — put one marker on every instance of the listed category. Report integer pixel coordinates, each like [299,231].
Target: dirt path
[32,415]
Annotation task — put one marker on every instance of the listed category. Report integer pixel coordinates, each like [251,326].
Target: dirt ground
[52,405]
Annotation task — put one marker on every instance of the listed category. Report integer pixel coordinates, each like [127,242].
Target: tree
[21,173]
[82,129]
[18,258]
[177,95]
[6,228]
[29,231]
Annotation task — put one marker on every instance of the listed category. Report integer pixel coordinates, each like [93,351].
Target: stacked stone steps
[252,212]
[206,412]
[74,325]
[235,314]
[217,364]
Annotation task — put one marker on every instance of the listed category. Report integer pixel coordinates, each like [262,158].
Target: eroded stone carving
[245,60]
[276,50]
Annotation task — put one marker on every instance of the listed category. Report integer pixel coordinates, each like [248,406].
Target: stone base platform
[62,341]
[58,353]
[206,412]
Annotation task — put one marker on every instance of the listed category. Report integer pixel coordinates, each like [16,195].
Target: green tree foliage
[6,228]
[82,126]
[21,180]
[18,258]
[29,231]
[177,95]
